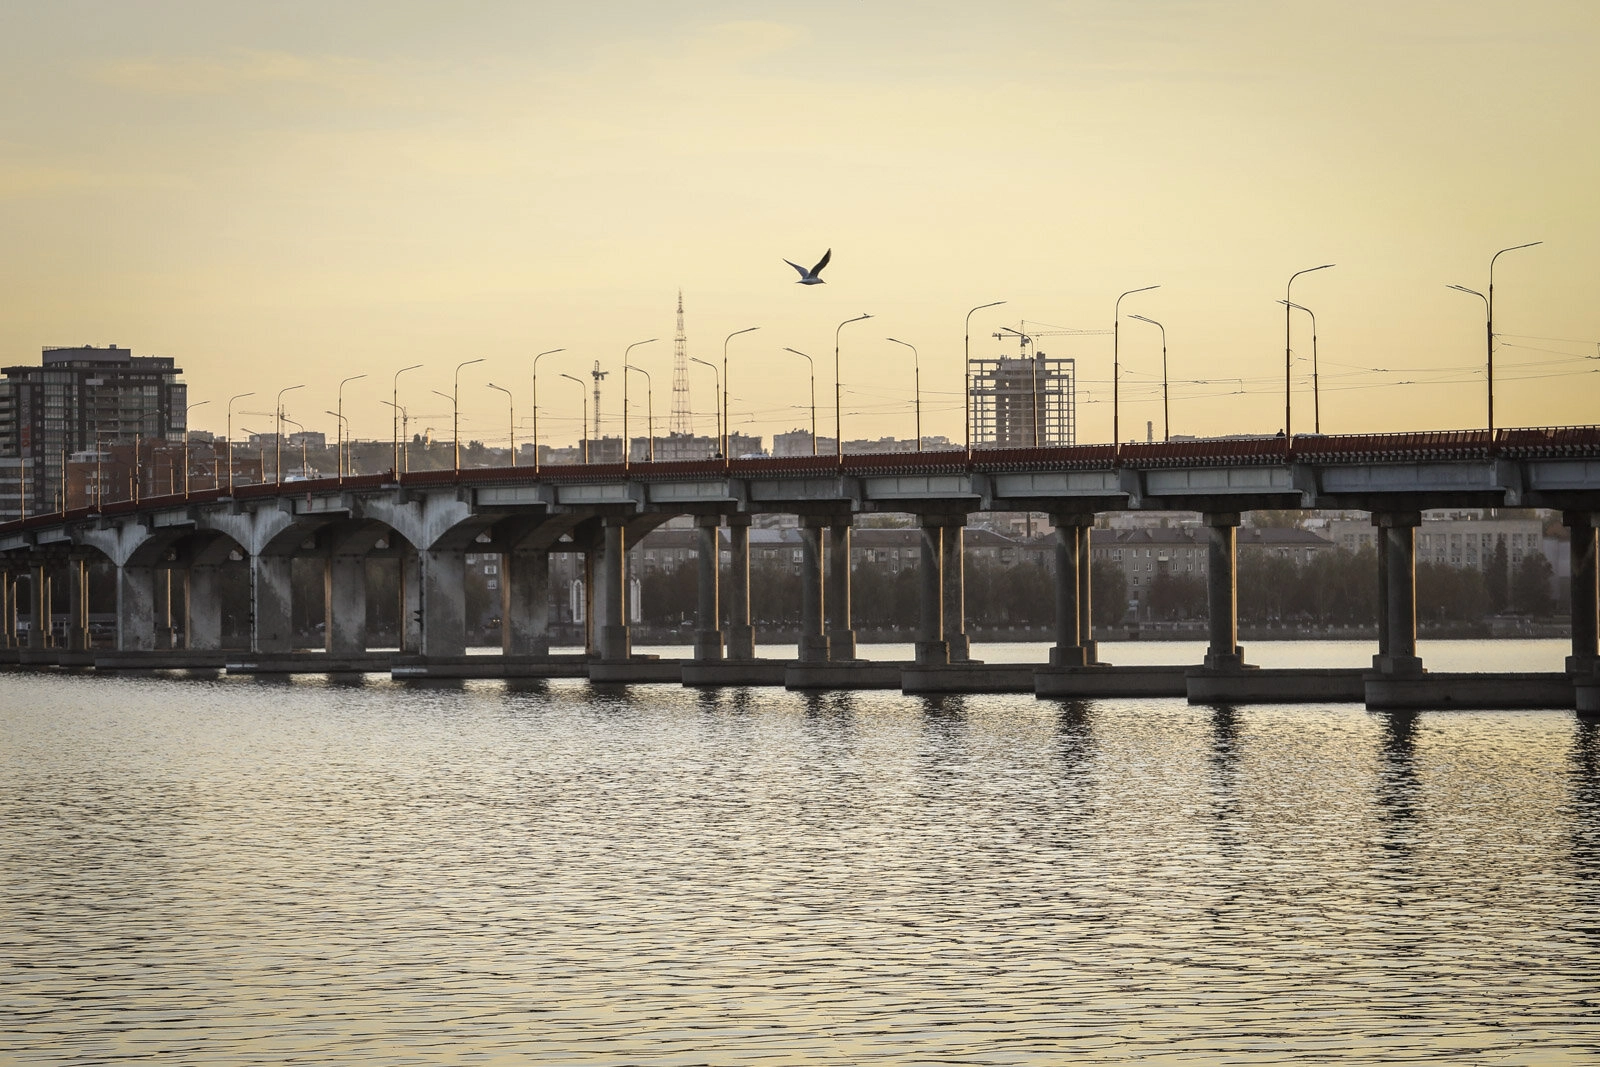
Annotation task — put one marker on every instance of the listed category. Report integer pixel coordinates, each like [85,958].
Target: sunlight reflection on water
[229,871]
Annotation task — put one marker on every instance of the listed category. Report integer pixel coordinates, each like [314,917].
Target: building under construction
[1024,402]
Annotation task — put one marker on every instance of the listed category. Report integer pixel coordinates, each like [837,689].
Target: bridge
[429,521]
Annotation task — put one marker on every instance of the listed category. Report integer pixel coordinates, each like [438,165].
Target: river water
[230,871]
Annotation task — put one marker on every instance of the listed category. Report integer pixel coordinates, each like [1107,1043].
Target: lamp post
[1033,375]
[277,434]
[966,373]
[395,403]
[405,424]
[339,423]
[649,408]
[512,404]
[716,384]
[916,378]
[339,463]
[1316,392]
[186,411]
[229,442]
[625,352]
[536,359]
[1488,310]
[455,402]
[1116,366]
[1166,424]
[813,375]
[838,407]
[727,427]
[304,464]
[1288,356]
[583,427]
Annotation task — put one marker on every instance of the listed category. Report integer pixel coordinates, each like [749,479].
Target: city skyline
[303,195]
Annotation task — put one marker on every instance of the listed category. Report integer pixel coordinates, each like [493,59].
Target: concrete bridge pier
[953,556]
[1073,647]
[136,607]
[525,603]
[741,636]
[1222,592]
[77,603]
[8,609]
[1397,578]
[410,636]
[38,604]
[813,641]
[615,640]
[444,602]
[1581,525]
[841,636]
[708,608]
[202,608]
[271,598]
[931,647]
[344,583]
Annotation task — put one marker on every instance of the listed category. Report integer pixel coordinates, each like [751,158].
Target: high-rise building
[1023,402]
[80,400]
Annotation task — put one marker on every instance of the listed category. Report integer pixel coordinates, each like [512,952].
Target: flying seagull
[809,277]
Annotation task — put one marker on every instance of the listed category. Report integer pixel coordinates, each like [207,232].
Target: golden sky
[297,192]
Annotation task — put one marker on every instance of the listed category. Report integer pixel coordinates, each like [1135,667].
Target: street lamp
[405,423]
[966,388]
[186,411]
[277,435]
[625,352]
[339,463]
[583,427]
[649,408]
[1166,425]
[727,427]
[1033,374]
[338,425]
[813,374]
[536,360]
[455,401]
[395,403]
[916,373]
[716,383]
[1316,394]
[1116,366]
[511,402]
[1288,382]
[838,407]
[1488,310]
[231,399]
[304,463]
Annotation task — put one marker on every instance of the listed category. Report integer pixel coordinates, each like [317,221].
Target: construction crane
[1025,335]
[597,374]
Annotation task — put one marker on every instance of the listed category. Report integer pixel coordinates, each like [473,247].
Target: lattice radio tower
[682,421]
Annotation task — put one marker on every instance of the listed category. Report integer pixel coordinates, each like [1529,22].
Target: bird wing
[797,267]
[823,262]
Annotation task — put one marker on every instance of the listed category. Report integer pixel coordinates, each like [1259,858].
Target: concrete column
[77,604]
[931,647]
[344,584]
[1067,651]
[8,610]
[813,641]
[167,609]
[841,636]
[525,603]
[39,606]
[444,602]
[591,645]
[1585,592]
[1222,591]
[708,605]
[136,609]
[271,596]
[202,608]
[953,553]
[1091,649]
[741,634]
[615,643]
[1383,598]
[1398,530]
[410,601]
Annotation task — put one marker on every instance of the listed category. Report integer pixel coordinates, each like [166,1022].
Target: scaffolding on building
[1024,402]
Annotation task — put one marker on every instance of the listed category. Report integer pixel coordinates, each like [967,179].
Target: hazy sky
[284,193]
